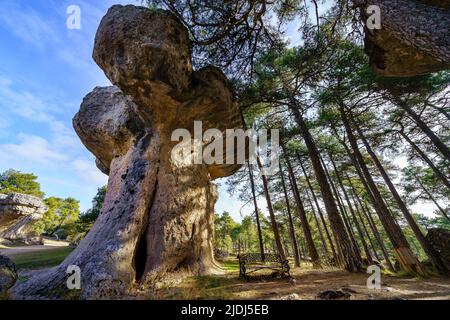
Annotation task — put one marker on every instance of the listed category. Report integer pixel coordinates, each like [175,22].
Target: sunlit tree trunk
[432,254]
[352,212]
[302,215]
[408,261]
[321,215]
[291,223]
[369,218]
[349,259]
[343,213]
[255,203]
[273,221]
[425,158]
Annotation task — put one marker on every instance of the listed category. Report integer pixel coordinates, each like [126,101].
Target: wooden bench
[252,262]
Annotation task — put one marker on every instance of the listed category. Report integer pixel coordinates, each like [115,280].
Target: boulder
[18,213]
[413,39]
[439,239]
[342,293]
[8,274]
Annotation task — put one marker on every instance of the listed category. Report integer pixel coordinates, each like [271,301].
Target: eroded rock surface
[158,213]
[440,241]
[414,38]
[8,274]
[18,213]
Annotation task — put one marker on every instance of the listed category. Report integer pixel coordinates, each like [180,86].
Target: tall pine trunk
[255,203]
[273,221]
[432,254]
[302,215]
[343,213]
[352,212]
[425,158]
[369,218]
[350,261]
[319,210]
[319,229]
[408,261]
[444,149]
[291,223]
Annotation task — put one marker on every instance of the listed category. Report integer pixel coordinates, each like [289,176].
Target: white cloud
[27,24]
[36,110]
[31,149]
[89,172]
[24,103]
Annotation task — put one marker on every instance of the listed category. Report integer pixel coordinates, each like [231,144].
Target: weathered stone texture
[414,38]
[158,212]
[440,241]
[18,212]
[8,274]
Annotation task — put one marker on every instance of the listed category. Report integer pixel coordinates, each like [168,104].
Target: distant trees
[341,197]
[13,181]
[61,218]
[224,226]
[97,203]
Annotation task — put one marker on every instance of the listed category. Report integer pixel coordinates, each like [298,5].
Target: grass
[230,265]
[216,287]
[41,259]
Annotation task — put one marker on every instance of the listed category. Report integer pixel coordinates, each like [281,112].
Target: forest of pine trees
[358,150]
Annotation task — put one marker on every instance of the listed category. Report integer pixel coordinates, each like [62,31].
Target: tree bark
[432,254]
[273,221]
[255,203]
[322,218]
[408,261]
[350,261]
[445,150]
[322,238]
[343,212]
[302,215]
[352,212]
[369,218]
[361,219]
[291,223]
[425,158]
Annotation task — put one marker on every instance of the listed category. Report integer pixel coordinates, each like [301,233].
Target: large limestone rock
[158,212]
[18,213]
[8,274]
[440,241]
[414,38]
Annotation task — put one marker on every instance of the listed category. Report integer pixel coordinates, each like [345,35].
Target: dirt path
[48,245]
[306,285]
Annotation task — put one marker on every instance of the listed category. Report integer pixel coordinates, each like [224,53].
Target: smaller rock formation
[342,293]
[18,213]
[414,37]
[8,274]
[440,241]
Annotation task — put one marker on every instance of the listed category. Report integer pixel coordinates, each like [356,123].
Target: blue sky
[45,71]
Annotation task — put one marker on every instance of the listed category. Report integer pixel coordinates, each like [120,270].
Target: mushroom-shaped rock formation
[414,38]
[18,213]
[158,213]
